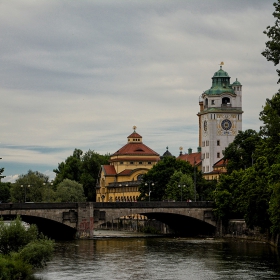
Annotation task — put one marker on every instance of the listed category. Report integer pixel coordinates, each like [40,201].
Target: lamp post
[179,186]
[194,179]
[24,186]
[149,184]
[122,191]
[48,184]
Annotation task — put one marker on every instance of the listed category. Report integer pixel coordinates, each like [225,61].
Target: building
[120,180]
[193,158]
[220,118]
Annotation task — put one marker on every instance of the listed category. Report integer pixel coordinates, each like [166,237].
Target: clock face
[226,124]
[205,125]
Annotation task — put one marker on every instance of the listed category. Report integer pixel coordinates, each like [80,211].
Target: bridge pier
[85,220]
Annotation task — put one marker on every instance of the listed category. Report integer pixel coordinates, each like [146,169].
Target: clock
[226,124]
[205,125]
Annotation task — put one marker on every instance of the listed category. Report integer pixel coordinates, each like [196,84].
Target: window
[140,162]
[207,143]
[149,162]
[131,162]
[212,102]
[207,155]
[203,143]
[121,162]
[218,155]
[218,142]
[203,168]
[207,168]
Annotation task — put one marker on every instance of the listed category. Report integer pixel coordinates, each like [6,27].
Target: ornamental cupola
[220,83]
[134,137]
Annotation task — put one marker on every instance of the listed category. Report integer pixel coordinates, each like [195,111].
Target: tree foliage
[240,153]
[29,187]
[82,168]
[164,188]
[272,50]
[179,187]
[69,191]
[22,250]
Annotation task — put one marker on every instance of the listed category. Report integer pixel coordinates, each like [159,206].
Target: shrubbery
[22,250]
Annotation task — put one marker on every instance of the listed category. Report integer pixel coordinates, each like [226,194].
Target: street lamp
[194,179]
[122,191]
[24,186]
[179,186]
[149,183]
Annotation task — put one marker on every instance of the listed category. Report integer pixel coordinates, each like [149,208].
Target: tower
[220,118]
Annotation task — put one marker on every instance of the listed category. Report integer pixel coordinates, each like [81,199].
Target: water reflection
[162,258]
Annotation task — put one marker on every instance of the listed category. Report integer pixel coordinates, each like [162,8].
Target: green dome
[220,83]
[236,83]
[221,73]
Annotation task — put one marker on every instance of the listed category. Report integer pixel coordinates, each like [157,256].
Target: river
[157,258]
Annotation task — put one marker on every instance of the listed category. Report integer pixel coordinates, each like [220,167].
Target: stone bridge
[66,220]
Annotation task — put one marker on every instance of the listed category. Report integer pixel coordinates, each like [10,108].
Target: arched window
[139,177]
[226,100]
[206,101]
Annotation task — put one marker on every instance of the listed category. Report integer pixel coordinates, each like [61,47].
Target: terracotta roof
[126,172]
[193,158]
[135,149]
[109,169]
[134,135]
[220,163]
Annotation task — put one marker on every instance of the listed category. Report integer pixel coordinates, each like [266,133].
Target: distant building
[193,158]
[220,119]
[120,180]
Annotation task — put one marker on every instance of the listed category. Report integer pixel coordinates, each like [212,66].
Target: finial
[167,148]
[134,127]
[221,64]
[181,148]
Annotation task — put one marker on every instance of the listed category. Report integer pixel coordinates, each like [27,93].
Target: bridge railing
[155,204]
[19,206]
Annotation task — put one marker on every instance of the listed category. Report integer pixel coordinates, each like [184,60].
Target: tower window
[218,142]
[212,102]
[218,155]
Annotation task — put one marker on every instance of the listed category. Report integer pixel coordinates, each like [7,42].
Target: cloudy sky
[81,74]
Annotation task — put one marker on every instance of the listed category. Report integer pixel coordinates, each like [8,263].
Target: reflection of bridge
[68,219]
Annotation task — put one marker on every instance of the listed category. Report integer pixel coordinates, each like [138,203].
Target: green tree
[272,50]
[240,153]
[180,187]
[83,169]
[28,187]
[22,250]
[160,175]
[69,191]
[5,195]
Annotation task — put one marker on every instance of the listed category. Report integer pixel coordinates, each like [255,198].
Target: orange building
[120,180]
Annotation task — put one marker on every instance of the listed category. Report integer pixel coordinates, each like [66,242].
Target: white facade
[220,118]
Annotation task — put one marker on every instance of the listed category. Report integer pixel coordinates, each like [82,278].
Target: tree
[5,192]
[69,191]
[160,175]
[272,50]
[180,187]
[83,169]
[240,153]
[29,187]
[22,250]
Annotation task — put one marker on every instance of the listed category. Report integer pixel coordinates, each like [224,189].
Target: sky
[81,74]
